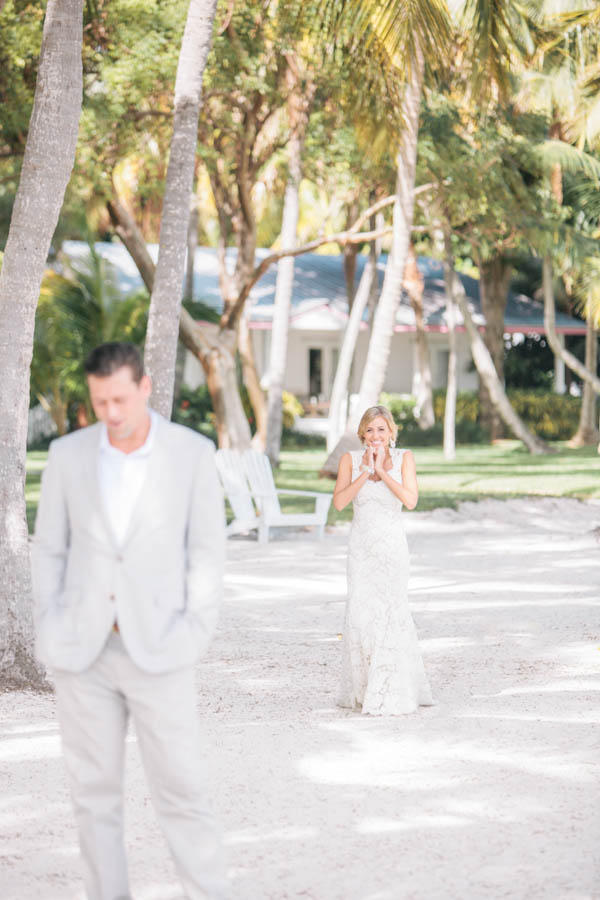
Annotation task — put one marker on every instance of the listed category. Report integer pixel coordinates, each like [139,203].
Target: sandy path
[493,793]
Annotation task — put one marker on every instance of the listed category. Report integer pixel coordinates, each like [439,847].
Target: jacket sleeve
[51,540]
[205,549]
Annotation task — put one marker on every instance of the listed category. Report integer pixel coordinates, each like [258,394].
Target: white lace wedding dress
[382,668]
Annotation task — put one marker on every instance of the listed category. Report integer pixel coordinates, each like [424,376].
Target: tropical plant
[76,312]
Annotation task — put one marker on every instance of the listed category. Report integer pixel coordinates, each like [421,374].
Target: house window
[315,371]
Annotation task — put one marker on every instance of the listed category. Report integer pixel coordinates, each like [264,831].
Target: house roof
[319,292]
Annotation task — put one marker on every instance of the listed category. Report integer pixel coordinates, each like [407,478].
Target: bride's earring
[392,443]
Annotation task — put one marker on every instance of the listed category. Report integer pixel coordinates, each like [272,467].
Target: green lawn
[503,470]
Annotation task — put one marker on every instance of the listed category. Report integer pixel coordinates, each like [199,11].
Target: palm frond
[502,32]
[405,29]
[571,159]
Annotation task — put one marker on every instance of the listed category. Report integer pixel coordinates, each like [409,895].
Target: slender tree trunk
[127,229]
[188,290]
[414,286]
[349,254]
[487,372]
[283,300]
[192,244]
[449,447]
[252,381]
[550,327]
[300,99]
[216,356]
[375,369]
[493,290]
[47,165]
[220,369]
[339,392]
[587,432]
[165,304]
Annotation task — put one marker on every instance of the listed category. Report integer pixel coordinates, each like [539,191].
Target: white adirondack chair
[266,496]
[232,472]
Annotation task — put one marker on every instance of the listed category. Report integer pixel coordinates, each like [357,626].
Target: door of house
[315,371]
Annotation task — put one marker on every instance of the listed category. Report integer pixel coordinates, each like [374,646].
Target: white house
[320,312]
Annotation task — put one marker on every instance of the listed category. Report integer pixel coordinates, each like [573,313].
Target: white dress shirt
[121,476]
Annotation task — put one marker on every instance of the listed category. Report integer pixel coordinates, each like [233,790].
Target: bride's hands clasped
[379,460]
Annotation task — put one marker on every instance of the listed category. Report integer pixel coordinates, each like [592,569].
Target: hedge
[553,417]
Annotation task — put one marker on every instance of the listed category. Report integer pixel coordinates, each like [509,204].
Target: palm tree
[165,303]
[300,94]
[47,165]
[565,87]
[413,34]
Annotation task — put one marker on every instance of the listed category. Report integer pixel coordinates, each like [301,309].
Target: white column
[560,385]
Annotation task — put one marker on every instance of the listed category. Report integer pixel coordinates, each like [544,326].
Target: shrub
[553,417]
[194,408]
[298,440]
[291,408]
[401,406]
[468,431]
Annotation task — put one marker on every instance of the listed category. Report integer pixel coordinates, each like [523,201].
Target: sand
[492,793]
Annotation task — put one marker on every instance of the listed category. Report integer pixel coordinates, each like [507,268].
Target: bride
[382,668]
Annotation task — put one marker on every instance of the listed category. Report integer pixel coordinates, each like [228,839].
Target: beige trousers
[93,709]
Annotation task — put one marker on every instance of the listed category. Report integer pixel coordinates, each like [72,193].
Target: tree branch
[342,237]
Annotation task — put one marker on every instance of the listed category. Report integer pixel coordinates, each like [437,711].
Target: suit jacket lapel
[149,505]
[93,482]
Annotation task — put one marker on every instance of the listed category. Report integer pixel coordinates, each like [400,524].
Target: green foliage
[401,406]
[20,41]
[77,311]
[194,409]
[553,417]
[529,364]
[467,406]
[467,429]
[297,440]
[291,408]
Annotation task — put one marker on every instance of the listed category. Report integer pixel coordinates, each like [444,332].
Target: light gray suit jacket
[163,583]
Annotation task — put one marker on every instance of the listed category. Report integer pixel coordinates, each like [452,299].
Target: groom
[127,567]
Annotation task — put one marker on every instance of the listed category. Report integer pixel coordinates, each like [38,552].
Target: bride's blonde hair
[371,413]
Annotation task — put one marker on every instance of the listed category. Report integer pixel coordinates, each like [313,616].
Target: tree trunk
[375,369]
[165,304]
[338,413]
[47,166]
[298,110]
[449,447]
[550,327]
[283,300]
[487,373]
[192,243]
[217,357]
[127,229]
[493,290]
[587,432]
[252,382]
[414,286]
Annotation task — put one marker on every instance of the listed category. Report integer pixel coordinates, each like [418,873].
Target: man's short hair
[105,359]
